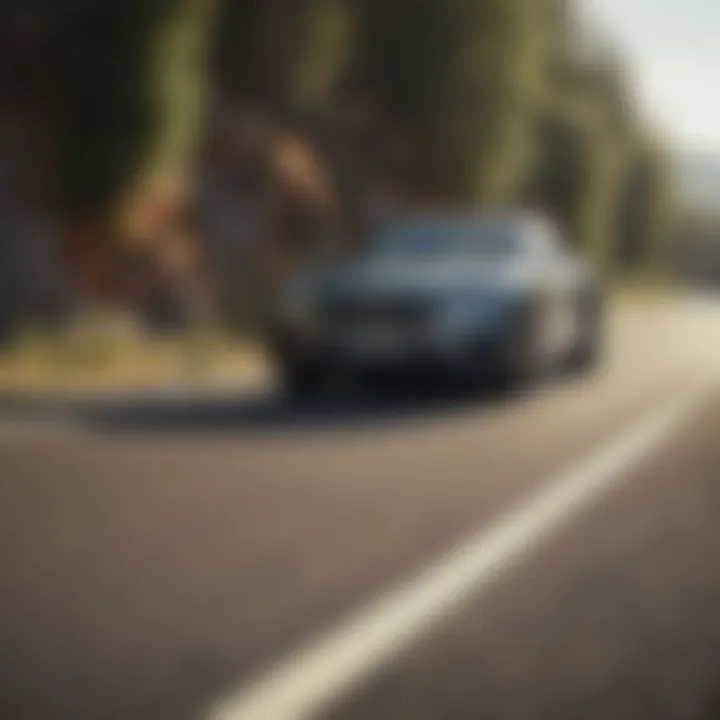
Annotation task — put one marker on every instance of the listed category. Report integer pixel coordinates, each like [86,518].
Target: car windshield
[437,239]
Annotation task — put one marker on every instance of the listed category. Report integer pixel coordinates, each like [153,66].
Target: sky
[673,47]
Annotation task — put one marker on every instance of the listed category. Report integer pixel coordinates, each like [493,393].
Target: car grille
[403,316]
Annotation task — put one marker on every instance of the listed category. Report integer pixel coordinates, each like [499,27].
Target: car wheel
[586,354]
[301,381]
[520,363]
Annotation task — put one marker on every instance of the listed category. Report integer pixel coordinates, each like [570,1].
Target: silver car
[474,298]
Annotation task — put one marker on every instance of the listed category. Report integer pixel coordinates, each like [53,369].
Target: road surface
[547,557]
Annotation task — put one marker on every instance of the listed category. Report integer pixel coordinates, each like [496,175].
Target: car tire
[586,355]
[520,363]
[301,381]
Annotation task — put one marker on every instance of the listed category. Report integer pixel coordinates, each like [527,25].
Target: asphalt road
[160,556]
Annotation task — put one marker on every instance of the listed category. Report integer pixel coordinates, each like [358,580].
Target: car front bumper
[467,355]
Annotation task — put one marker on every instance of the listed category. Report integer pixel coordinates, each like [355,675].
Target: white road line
[314,678]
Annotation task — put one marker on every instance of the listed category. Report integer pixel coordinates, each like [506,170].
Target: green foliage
[123,64]
[455,78]
[560,175]
[484,101]
[288,54]
[575,180]
[179,68]
[111,109]
[590,170]
[645,212]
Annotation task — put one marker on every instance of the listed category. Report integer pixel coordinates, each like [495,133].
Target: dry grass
[42,362]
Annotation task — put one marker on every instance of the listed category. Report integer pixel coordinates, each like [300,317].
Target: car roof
[521,221]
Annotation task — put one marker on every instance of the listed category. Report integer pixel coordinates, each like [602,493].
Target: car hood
[426,280]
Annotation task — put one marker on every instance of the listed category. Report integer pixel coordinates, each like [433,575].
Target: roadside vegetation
[476,102]
[200,148]
[112,357]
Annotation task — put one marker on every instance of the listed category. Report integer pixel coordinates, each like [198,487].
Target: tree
[586,132]
[134,71]
[645,210]
[454,81]
[287,55]
[111,108]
